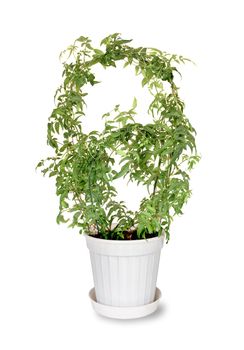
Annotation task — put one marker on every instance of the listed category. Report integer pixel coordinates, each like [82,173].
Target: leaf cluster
[158,155]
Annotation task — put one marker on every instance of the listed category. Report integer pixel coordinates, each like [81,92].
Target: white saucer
[124,312]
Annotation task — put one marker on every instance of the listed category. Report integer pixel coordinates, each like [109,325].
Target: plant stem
[156,180]
[92,202]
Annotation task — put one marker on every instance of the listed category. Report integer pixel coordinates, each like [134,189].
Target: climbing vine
[158,155]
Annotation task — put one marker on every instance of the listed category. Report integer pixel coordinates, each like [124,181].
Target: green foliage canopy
[158,155]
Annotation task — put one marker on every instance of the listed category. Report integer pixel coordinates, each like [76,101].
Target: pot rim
[125,241]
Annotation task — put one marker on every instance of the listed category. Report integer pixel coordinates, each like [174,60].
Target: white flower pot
[125,272]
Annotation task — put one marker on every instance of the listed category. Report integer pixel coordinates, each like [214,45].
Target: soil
[128,236]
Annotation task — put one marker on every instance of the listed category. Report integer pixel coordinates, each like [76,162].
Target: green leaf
[40,164]
[98,52]
[57,125]
[53,173]
[124,170]
[144,81]
[60,219]
[134,105]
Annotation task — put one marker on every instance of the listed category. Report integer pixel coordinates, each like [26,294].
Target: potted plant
[124,245]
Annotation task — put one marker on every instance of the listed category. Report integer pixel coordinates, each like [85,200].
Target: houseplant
[159,155]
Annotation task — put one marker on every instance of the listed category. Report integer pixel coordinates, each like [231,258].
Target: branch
[90,192]
[156,180]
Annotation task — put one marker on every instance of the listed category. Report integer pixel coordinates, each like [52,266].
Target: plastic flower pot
[125,276]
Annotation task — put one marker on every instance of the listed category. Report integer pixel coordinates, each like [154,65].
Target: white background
[45,270]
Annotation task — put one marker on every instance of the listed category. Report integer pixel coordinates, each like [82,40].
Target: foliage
[158,155]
